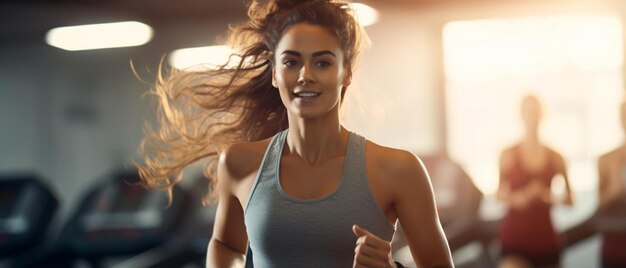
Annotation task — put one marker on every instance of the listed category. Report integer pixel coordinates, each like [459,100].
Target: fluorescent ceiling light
[200,57]
[98,36]
[365,14]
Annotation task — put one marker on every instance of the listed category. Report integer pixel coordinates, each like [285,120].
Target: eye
[289,63]
[323,64]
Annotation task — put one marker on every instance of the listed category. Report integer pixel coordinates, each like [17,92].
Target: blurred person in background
[610,218]
[527,236]
[292,182]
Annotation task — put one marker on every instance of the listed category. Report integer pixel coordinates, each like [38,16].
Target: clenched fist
[371,251]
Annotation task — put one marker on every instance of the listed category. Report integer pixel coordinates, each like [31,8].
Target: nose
[306,75]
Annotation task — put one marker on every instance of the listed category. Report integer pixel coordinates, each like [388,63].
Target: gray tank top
[288,232]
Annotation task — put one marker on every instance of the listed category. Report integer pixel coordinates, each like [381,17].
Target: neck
[318,139]
[531,139]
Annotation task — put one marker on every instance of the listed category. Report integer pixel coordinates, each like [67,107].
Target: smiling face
[309,70]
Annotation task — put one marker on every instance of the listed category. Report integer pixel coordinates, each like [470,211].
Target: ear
[347,77]
[274,84]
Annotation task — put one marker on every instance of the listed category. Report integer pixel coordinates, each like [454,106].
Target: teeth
[307,94]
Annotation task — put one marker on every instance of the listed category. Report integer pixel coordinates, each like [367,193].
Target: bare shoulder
[611,155]
[556,157]
[241,159]
[608,158]
[553,153]
[507,157]
[396,164]
[403,177]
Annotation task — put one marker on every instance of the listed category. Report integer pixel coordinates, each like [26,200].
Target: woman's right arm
[229,242]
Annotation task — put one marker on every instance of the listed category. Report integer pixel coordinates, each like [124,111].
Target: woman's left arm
[415,206]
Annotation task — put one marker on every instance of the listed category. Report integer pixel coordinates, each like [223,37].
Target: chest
[310,183]
[308,231]
[533,161]
[304,182]
[524,173]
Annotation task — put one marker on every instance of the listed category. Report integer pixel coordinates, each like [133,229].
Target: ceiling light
[98,36]
[364,14]
[200,57]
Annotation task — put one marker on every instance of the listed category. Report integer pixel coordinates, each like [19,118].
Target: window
[574,65]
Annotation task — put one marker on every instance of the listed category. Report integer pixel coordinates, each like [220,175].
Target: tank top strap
[354,167]
[358,187]
[357,183]
[268,163]
[272,156]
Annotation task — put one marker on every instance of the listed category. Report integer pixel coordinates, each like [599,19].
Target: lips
[307,94]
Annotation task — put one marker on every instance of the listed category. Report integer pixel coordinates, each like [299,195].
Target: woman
[612,203]
[527,235]
[291,180]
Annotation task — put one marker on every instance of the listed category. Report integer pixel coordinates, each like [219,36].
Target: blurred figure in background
[527,235]
[611,215]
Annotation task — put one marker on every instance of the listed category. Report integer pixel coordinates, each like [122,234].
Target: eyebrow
[315,54]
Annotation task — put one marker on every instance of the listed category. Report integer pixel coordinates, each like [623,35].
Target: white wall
[393,100]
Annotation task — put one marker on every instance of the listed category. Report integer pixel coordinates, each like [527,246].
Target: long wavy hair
[200,113]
